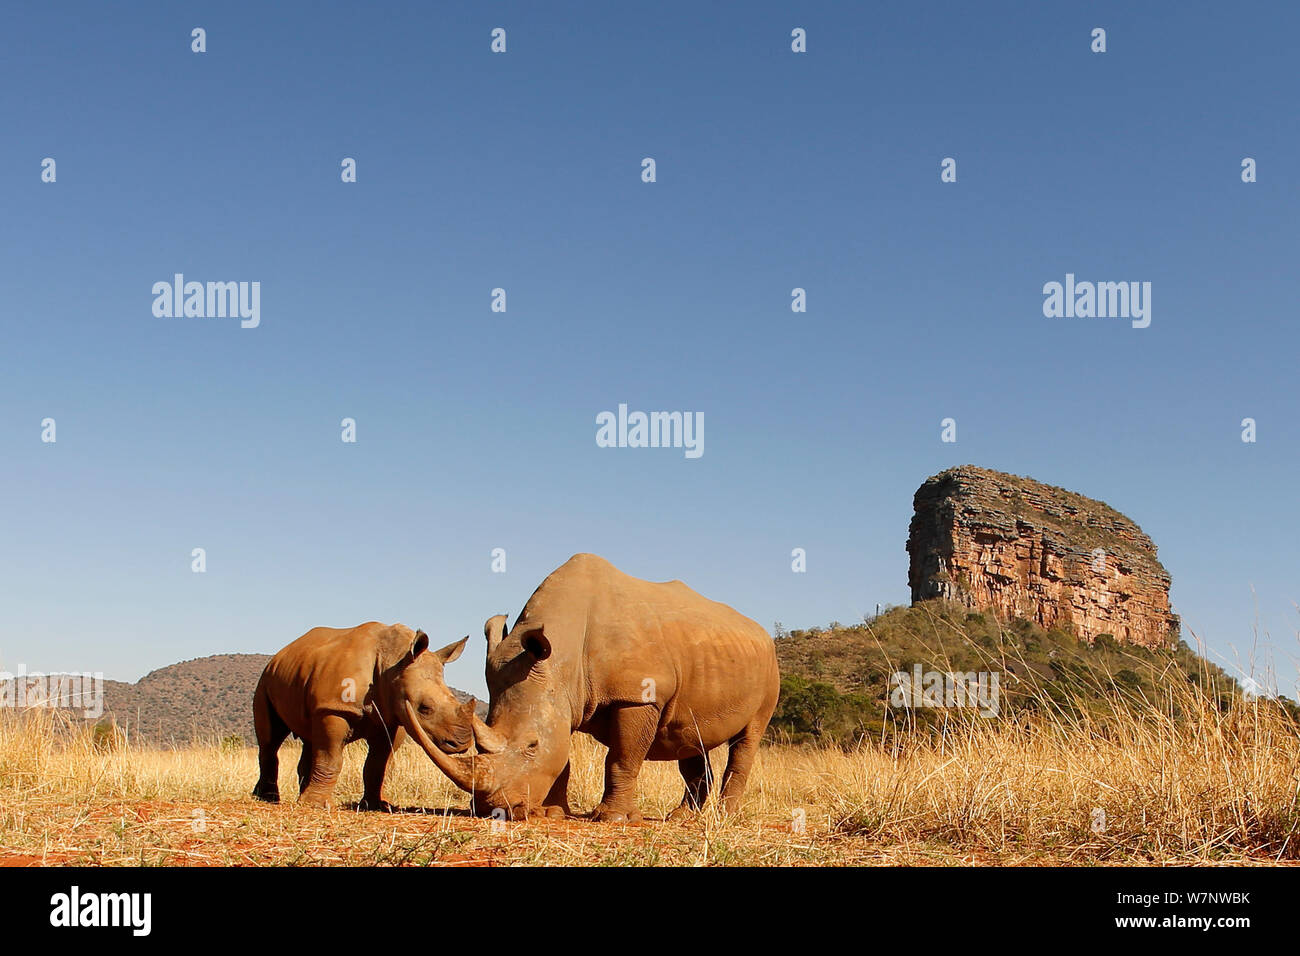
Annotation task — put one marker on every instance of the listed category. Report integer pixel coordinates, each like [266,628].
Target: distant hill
[209,698]
[837,681]
[204,699]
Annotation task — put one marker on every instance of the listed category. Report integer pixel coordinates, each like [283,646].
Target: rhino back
[612,633]
[308,676]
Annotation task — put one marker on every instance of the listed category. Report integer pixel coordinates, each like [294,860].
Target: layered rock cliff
[1019,548]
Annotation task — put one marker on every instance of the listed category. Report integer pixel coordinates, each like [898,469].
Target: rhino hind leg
[271,733]
[698,776]
[741,751]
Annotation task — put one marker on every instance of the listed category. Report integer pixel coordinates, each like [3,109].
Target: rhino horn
[489,741]
[471,772]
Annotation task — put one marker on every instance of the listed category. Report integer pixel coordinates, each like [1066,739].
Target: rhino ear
[537,644]
[452,651]
[495,630]
[419,645]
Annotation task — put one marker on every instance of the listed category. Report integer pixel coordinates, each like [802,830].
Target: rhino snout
[455,739]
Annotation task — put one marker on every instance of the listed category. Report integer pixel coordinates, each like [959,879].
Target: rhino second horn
[488,740]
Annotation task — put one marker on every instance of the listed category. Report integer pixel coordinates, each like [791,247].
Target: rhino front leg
[374,770]
[304,767]
[556,804]
[329,731]
[631,732]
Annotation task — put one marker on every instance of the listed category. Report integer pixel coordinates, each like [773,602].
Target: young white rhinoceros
[652,670]
[373,682]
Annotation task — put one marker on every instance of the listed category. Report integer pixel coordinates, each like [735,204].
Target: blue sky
[476,430]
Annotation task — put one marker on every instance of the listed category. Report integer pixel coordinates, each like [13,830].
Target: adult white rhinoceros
[652,670]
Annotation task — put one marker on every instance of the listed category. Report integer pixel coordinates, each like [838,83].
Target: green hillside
[838,682]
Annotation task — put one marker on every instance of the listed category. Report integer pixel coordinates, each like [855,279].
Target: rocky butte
[1019,548]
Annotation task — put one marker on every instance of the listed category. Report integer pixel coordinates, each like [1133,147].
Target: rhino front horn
[473,773]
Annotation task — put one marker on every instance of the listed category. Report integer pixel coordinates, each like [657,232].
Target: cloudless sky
[476,430]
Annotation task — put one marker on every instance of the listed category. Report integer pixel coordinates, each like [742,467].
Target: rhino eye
[426,709]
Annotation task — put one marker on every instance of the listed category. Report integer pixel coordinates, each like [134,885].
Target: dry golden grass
[1212,787]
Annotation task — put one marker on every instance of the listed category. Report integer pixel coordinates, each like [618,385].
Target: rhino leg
[556,804]
[304,767]
[374,770]
[329,732]
[698,776]
[631,732]
[741,751]
[271,732]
